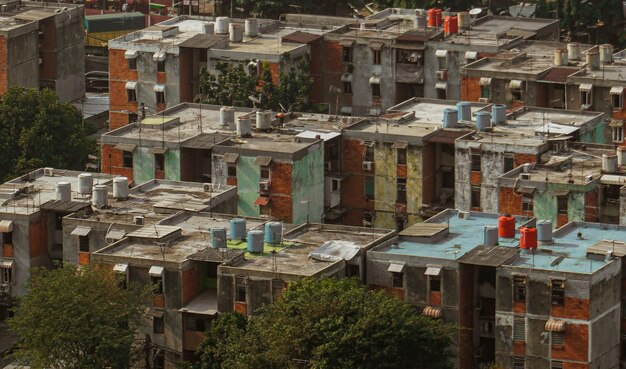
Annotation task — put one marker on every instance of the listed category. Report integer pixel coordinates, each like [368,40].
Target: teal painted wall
[143,165]
[595,135]
[545,206]
[248,176]
[308,184]
[172,165]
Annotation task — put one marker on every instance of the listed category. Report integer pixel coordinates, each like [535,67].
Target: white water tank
[221,25]
[235,33]
[244,127]
[264,119]
[560,57]
[609,163]
[621,155]
[464,20]
[85,182]
[251,27]
[227,117]
[573,51]
[120,188]
[100,196]
[593,59]
[606,54]
[208,28]
[64,191]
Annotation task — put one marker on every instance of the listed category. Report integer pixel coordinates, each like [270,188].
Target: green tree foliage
[77,318]
[232,85]
[328,323]
[37,131]
[274,8]
[268,93]
[295,87]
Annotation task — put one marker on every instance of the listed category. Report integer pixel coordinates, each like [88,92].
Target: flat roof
[431,110]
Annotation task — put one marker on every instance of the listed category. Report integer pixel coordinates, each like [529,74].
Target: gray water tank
[273,233]
[85,183]
[100,198]
[255,241]
[450,118]
[238,229]
[464,110]
[483,120]
[544,231]
[218,238]
[120,188]
[490,236]
[227,117]
[498,114]
[64,191]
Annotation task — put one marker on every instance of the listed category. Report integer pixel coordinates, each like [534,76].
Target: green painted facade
[308,185]
[248,176]
[143,165]
[596,135]
[172,165]
[545,203]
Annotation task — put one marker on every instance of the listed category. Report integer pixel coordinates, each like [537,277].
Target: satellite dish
[474,12]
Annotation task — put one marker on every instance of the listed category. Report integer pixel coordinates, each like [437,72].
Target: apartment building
[521,302]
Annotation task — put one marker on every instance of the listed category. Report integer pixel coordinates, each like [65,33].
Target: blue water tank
[218,238]
[544,231]
[450,118]
[255,241]
[483,120]
[273,233]
[464,109]
[237,229]
[498,114]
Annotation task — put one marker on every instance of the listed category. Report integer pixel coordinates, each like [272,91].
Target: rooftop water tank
[609,163]
[464,110]
[593,58]
[464,20]
[450,118]
[208,28]
[483,120]
[264,119]
[498,114]
[490,236]
[506,226]
[450,25]
[606,54]
[528,238]
[120,188]
[100,196]
[238,229]
[273,233]
[85,183]
[621,155]
[544,231]
[244,127]
[255,241]
[420,21]
[560,57]
[221,25]
[251,27]
[235,32]
[573,51]
[218,238]
[64,191]
[227,117]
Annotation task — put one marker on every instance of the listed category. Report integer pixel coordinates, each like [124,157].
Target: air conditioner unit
[48,172]
[367,165]
[207,187]
[442,75]
[483,100]
[327,165]
[464,214]
[5,288]
[264,185]
[525,176]
[138,220]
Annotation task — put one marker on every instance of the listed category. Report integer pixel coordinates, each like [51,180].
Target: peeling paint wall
[308,185]
[414,183]
[384,186]
[172,165]
[143,165]
[462,178]
[248,176]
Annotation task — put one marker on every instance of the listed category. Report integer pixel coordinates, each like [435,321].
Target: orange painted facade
[353,187]
[190,284]
[113,162]
[84,258]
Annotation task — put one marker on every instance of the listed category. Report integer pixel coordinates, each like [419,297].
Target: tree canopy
[77,318]
[328,323]
[36,130]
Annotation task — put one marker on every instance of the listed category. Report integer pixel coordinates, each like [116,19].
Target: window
[400,223]
[232,171]
[401,156]
[435,283]
[409,56]
[527,202]
[519,362]
[557,338]
[475,200]
[127,159]
[83,243]
[7,237]
[6,275]
[442,62]
[265,173]
[401,190]
[516,93]
[132,63]
[558,293]
[509,163]
[519,328]
[161,66]
[195,324]
[476,163]
[240,295]
[585,98]
[442,94]
[556,365]
[617,99]
[347,87]
[159,162]
[347,54]
[369,151]
[519,288]
[375,90]
[133,117]
[561,205]
[618,134]
[369,187]
[485,92]
[160,97]
[376,56]
[397,280]
[158,326]
[157,285]
[131,94]
[353,270]
[334,185]
[159,361]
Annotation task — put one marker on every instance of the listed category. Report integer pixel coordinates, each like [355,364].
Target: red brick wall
[353,187]
[524,158]
[185,60]
[112,162]
[3,65]
[316,67]
[241,307]
[84,258]
[333,68]
[519,348]
[591,206]
[470,88]
[281,202]
[572,309]
[575,344]
[191,287]
[510,203]
[119,74]
[38,237]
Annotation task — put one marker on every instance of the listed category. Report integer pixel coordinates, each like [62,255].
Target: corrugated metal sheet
[63,206]
[335,251]
[202,41]
[301,37]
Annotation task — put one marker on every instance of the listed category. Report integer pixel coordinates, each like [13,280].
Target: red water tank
[528,238]
[451,25]
[438,20]
[506,226]
[432,17]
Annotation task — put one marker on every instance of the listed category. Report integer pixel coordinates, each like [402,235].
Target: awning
[617,90]
[515,84]
[346,77]
[6,263]
[585,87]
[120,268]
[159,88]
[433,271]
[441,85]
[484,81]
[230,158]
[156,271]
[396,267]
[561,192]
[376,45]
[262,201]
[6,226]
[115,234]
[125,147]
[346,110]
[471,55]
[400,145]
[131,85]
[81,231]
[612,179]
[433,312]
[263,161]
[130,54]
[374,80]
[555,325]
[616,123]
[441,53]
[474,145]
[346,43]
[526,189]
[157,150]
[158,56]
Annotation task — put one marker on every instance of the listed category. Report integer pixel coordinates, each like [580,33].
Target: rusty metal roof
[446,136]
[215,255]
[63,206]
[301,37]
[202,41]
[558,74]
[489,255]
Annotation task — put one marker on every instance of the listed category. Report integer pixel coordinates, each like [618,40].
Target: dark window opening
[232,171]
[401,190]
[375,90]
[347,54]
[161,66]
[132,95]
[7,238]
[83,243]
[435,284]
[133,117]
[353,271]
[519,288]
[160,97]
[265,173]
[132,64]
[561,204]
[347,88]
[195,324]
[157,285]
[401,156]
[509,163]
[158,326]
[397,280]
[475,200]
[159,162]
[127,159]
[369,187]
[476,163]
[369,151]
[558,293]
[527,202]
[376,56]
[241,293]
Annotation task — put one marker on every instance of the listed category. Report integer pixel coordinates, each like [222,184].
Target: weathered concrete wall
[69,44]
[308,185]
[462,171]
[362,60]
[20,55]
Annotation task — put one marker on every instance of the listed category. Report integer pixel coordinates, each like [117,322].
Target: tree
[295,87]
[75,317]
[231,86]
[36,130]
[328,323]
[268,93]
